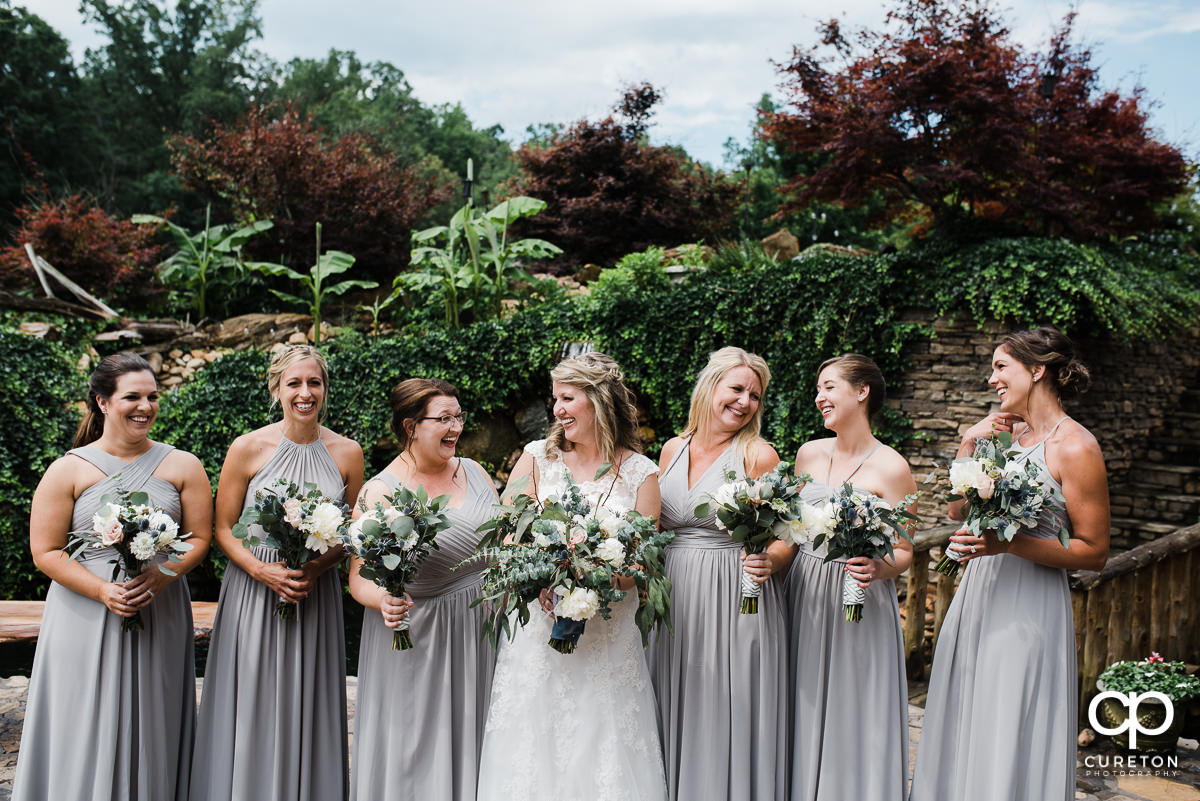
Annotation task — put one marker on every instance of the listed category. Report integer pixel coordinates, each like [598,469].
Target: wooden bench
[21,621]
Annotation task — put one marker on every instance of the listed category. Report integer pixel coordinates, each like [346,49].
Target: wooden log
[1120,611]
[1179,592]
[1095,649]
[1144,555]
[50,305]
[75,289]
[935,537]
[914,615]
[1139,620]
[1191,608]
[1160,581]
[941,605]
[1079,614]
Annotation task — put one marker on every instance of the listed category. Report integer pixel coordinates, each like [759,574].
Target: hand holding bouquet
[856,523]
[299,523]
[138,532]
[757,512]
[1002,492]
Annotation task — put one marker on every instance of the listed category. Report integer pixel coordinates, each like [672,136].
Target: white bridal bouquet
[138,532]
[856,523]
[300,523]
[1002,492]
[577,551]
[394,539]
[757,512]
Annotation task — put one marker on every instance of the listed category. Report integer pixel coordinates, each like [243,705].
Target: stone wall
[1143,407]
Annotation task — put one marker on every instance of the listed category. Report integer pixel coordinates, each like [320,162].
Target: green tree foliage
[609,192]
[277,165]
[941,108]
[45,134]
[165,68]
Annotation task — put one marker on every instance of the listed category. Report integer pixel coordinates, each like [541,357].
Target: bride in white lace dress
[580,726]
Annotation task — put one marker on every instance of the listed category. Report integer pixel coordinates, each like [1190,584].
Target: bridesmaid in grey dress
[1000,722]
[272,722]
[718,680]
[420,712]
[110,714]
[849,693]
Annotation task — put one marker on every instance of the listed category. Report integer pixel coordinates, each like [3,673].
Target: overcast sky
[524,62]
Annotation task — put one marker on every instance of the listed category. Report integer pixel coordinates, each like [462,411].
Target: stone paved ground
[1174,784]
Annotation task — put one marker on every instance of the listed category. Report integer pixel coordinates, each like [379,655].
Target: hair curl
[601,380]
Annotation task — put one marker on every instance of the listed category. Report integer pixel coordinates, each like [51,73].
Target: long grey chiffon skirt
[110,714]
[850,693]
[719,681]
[272,724]
[1000,722]
[420,713]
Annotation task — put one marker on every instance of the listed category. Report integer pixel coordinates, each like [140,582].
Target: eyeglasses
[448,419]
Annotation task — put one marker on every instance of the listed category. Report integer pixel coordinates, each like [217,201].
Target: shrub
[40,384]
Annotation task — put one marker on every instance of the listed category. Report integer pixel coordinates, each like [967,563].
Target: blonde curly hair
[601,380]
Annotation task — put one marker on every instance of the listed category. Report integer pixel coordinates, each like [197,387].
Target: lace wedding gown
[580,726]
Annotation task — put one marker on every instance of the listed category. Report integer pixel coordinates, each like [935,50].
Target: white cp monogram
[1131,701]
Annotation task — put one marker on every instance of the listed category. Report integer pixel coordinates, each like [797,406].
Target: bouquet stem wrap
[853,597]
[565,634]
[401,641]
[948,565]
[751,590]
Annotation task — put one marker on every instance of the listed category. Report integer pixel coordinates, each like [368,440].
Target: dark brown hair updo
[860,371]
[102,384]
[1048,346]
[410,398]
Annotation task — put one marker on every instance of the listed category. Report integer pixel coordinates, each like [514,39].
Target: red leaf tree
[277,165]
[609,193]
[106,256]
[943,110]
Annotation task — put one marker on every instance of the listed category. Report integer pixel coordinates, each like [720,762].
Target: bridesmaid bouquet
[1003,494]
[300,523]
[394,540]
[576,551]
[860,524]
[757,512]
[138,532]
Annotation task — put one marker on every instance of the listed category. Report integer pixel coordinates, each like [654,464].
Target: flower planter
[1151,714]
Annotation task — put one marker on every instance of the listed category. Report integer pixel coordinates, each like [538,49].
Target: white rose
[817,519]
[105,519]
[789,531]
[578,604]
[354,533]
[612,551]
[144,546]
[612,525]
[963,474]
[726,494]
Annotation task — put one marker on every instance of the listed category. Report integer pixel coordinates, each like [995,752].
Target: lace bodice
[619,492]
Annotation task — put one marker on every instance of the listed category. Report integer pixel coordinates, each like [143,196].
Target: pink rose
[111,535]
[985,486]
[291,512]
[578,535]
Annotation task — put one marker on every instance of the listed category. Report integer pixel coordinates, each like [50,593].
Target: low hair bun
[1074,378]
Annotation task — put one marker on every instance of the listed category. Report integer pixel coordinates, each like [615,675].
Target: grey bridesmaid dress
[849,690]
[110,714]
[272,722]
[719,679]
[420,714]
[1000,722]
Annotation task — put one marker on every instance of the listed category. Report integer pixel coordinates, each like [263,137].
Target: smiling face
[735,399]
[302,392]
[837,398]
[574,410]
[1012,380]
[434,439]
[131,409]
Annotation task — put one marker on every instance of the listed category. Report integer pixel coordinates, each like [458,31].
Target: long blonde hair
[700,414]
[600,378]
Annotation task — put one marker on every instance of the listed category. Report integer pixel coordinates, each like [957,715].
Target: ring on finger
[973,549]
